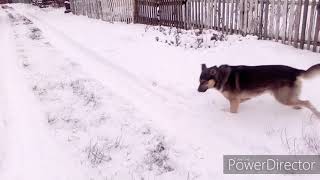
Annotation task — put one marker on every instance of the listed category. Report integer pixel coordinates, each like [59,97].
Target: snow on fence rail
[107,10]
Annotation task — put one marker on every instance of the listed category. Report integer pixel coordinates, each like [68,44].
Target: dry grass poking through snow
[190,39]
[106,129]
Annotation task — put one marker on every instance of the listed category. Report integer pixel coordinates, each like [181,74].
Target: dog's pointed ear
[203,67]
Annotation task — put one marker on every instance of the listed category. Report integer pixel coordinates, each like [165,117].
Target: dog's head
[211,77]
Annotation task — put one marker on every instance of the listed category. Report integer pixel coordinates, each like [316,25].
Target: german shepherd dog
[241,83]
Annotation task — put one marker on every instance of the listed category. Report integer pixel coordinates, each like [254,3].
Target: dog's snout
[202,88]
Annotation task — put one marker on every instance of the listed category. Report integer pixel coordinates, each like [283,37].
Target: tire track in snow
[161,93]
[130,80]
[168,115]
[181,123]
[29,149]
[3,97]
[159,107]
[193,130]
[102,60]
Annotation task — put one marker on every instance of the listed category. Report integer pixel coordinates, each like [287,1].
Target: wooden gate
[146,12]
[161,12]
[3,1]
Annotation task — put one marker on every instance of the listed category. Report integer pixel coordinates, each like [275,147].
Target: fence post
[135,11]
[316,33]
[304,23]
[261,18]
[186,14]
[297,23]
[266,19]
[285,22]
[72,6]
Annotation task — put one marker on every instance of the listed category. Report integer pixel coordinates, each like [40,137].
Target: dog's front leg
[234,105]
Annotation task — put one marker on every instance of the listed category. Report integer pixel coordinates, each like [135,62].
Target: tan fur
[311,72]
[310,75]
[285,95]
[235,98]
[290,97]
[234,105]
[211,84]
[284,83]
[243,96]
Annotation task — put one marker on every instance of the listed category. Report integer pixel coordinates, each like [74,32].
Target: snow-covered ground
[86,99]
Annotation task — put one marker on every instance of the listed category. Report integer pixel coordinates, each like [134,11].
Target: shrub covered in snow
[158,157]
[196,38]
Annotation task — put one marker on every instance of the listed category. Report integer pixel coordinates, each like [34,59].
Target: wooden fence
[107,10]
[161,12]
[3,1]
[20,1]
[293,22]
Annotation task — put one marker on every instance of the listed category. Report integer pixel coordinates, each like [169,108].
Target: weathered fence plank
[241,17]
[271,21]
[266,16]
[297,23]
[291,22]
[311,23]
[317,28]
[304,23]
[261,18]
[284,21]
[227,16]
[223,19]
[236,17]
[245,17]
[211,14]
[256,17]
[232,13]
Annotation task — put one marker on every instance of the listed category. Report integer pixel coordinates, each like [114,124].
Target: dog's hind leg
[286,95]
[297,107]
[290,96]
[308,105]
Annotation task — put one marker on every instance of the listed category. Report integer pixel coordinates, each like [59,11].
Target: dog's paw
[317,115]
[297,107]
[234,111]
[225,109]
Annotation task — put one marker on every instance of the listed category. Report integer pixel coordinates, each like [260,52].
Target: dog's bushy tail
[311,72]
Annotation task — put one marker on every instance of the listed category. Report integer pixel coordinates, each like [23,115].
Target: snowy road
[92,80]
[30,150]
